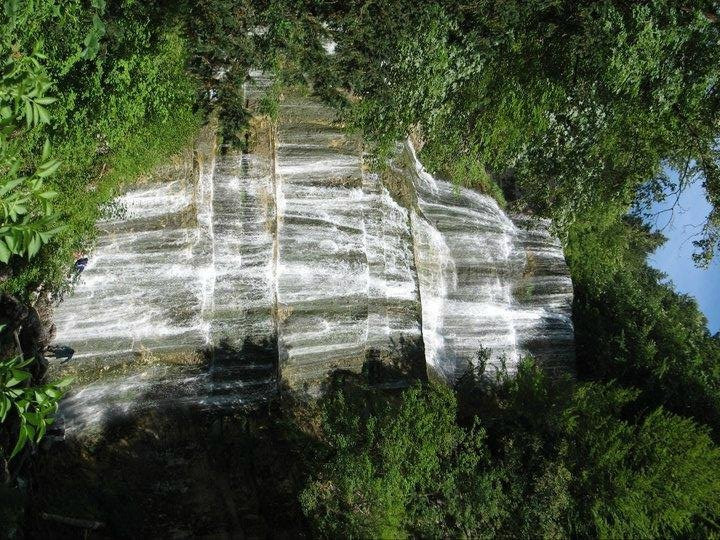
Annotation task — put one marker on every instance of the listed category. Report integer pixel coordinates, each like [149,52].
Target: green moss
[466,171]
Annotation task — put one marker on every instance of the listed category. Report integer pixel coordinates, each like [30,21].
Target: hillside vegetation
[568,110]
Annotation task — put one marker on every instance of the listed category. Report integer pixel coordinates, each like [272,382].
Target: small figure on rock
[61,352]
[80,264]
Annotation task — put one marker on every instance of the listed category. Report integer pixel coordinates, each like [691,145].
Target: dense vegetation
[572,110]
[582,102]
[519,456]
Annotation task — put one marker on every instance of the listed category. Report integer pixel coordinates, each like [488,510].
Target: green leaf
[53,393]
[46,150]
[22,439]
[5,253]
[5,406]
[45,100]
[42,113]
[34,245]
[45,172]
[64,382]
[15,167]
[47,164]
[28,113]
[56,230]
[31,418]
[98,25]
[12,243]
[12,184]
[18,376]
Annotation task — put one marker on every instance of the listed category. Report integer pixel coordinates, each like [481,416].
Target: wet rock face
[293,261]
[486,280]
[346,284]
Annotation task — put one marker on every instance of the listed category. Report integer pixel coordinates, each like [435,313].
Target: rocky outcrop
[27,331]
[295,260]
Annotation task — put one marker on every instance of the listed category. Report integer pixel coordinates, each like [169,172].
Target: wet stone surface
[231,278]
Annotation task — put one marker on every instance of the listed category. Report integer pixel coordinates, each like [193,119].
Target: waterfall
[145,284]
[225,280]
[347,292]
[485,281]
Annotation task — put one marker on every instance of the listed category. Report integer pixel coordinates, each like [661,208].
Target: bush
[400,466]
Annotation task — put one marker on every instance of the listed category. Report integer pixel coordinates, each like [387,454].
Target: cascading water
[294,261]
[345,274]
[486,280]
[142,285]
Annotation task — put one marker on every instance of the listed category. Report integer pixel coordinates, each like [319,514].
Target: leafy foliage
[223,51]
[28,217]
[571,107]
[32,406]
[526,457]
[118,75]
[632,327]
[646,480]
[395,464]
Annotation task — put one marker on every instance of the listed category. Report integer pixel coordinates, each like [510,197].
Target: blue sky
[675,257]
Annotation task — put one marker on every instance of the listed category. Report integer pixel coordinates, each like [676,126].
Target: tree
[401,466]
[632,327]
[528,456]
[654,478]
